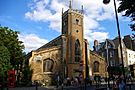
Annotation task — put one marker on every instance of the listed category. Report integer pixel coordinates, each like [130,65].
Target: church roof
[55,42]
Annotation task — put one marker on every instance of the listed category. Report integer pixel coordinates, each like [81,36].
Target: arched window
[47,65]
[77,51]
[96,66]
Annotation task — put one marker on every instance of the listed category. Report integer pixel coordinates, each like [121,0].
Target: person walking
[122,84]
[116,84]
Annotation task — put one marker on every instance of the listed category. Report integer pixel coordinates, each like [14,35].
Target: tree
[128,6]
[9,39]
[27,76]
[4,63]
[11,49]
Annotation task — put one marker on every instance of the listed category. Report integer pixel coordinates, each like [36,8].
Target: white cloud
[31,41]
[100,36]
[94,12]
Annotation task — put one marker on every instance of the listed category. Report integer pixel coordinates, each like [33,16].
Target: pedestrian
[116,84]
[122,84]
[58,81]
[68,81]
[91,80]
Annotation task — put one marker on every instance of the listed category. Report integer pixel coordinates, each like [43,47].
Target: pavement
[93,87]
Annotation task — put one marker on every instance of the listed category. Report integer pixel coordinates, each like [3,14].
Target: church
[67,55]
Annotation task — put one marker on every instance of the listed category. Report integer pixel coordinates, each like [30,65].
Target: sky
[39,21]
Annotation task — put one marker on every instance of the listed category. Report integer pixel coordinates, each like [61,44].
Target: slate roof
[55,42]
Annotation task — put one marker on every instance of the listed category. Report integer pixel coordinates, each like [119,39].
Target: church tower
[72,28]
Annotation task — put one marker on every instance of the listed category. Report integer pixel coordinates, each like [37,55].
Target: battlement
[77,11]
[80,12]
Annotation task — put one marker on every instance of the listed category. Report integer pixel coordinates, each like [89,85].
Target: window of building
[77,51]
[77,21]
[47,65]
[96,66]
[65,22]
[111,53]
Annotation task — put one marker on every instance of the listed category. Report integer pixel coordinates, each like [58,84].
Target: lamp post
[108,63]
[118,28]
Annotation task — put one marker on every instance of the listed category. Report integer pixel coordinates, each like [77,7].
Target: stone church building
[65,56]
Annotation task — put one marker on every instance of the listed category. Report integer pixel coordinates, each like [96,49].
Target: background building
[110,50]
[130,56]
[129,42]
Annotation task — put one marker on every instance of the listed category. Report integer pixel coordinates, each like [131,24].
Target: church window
[77,21]
[111,53]
[47,65]
[96,66]
[64,22]
[77,51]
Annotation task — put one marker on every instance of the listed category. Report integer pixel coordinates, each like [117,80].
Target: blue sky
[39,21]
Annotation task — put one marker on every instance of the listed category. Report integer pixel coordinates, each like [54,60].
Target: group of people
[72,81]
[119,83]
[69,81]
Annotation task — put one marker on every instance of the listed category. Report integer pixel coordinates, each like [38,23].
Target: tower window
[65,22]
[77,51]
[77,21]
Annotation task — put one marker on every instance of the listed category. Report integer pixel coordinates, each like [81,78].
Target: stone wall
[39,75]
[102,64]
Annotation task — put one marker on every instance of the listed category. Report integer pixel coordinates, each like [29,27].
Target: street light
[117,22]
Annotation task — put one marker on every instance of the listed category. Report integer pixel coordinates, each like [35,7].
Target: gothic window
[77,21]
[111,54]
[77,51]
[96,66]
[47,65]
[65,22]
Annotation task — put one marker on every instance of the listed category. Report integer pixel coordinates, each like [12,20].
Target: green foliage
[27,76]
[11,55]
[4,62]
[129,7]
[114,70]
[9,39]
